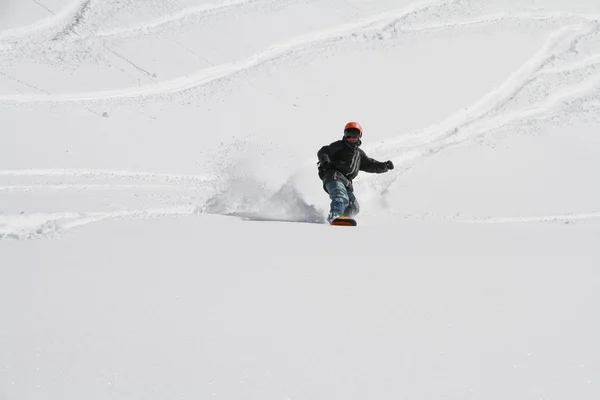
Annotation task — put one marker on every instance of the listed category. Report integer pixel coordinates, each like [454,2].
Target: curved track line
[29,188]
[75,21]
[496,98]
[159,22]
[461,134]
[547,218]
[40,225]
[85,219]
[544,110]
[483,116]
[168,19]
[205,76]
[63,17]
[101,173]
[220,71]
[503,16]
[149,27]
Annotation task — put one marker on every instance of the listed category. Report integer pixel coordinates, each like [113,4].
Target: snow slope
[161,221]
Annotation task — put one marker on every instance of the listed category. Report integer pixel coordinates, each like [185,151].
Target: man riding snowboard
[339,164]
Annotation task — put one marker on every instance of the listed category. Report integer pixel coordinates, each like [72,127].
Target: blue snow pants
[343,201]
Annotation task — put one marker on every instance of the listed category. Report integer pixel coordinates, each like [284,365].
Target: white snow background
[161,218]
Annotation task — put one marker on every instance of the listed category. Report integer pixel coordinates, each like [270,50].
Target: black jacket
[346,159]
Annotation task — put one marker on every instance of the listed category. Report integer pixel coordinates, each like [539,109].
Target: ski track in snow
[106,174]
[492,112]
[152,26]
[66,186]
[48,225]
[75,21]
[42,225]
[71,17]
[566,218]
[39,225]
[369,27]
[192,193]
[558,218]
[65,22]
[56,22]
[208,75]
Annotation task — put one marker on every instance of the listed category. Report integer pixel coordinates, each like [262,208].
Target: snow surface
[161,219]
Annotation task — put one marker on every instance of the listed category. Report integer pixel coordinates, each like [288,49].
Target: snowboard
[344,221]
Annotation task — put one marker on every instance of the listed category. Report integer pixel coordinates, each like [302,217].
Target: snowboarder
[339,164]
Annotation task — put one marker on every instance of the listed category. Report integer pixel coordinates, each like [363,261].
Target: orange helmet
[353,125]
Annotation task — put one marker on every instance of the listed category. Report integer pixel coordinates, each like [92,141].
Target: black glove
[389,164]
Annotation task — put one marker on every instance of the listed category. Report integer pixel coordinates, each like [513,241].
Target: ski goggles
[352,133]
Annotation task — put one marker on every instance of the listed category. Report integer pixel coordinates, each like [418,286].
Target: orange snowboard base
[344,221]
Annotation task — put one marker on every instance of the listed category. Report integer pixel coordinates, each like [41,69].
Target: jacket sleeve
[323,154]
[368,164]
